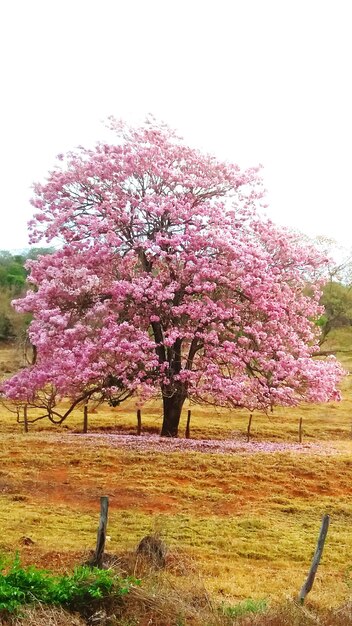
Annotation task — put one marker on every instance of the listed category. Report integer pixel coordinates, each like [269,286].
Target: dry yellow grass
[247,523]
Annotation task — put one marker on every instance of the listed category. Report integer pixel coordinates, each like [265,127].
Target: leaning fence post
[139,422]
[25,418]
[300,430]
[187,433]
[249,428]
[97,559]
[316,559]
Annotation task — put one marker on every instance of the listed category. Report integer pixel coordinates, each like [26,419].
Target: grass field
[244,523]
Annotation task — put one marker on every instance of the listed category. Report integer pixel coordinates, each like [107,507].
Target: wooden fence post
[139,422]
[187,433]
[85,418]
[300,430]
[316,559]
[97,559]
[25,418]
[249,428]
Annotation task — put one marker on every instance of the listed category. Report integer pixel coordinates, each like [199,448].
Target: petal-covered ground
[155,443]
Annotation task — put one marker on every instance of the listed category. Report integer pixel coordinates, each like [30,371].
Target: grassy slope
[246,523]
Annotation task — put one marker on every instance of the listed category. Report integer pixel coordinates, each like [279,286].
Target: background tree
[12,271]
[13,275]
[337,302]
[336,297]
[167,282]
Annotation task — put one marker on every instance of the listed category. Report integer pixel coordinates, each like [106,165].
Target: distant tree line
[13,276]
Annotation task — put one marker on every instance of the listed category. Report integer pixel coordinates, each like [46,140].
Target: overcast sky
[253,81]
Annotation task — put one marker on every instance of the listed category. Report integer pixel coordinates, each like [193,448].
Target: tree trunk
[172,412]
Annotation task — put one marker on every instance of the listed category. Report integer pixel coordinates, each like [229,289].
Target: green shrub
[76,591]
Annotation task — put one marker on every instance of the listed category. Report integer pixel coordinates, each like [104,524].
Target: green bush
[76,591]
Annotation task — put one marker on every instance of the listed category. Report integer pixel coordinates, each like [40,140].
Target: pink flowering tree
[168,282]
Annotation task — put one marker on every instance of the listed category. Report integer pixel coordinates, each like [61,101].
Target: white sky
[254,81]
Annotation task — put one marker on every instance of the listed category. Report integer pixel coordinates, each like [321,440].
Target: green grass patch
[244,608]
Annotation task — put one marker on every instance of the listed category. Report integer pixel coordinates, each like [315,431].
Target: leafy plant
[27,585]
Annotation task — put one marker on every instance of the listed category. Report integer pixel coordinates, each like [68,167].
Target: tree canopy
[168,282]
